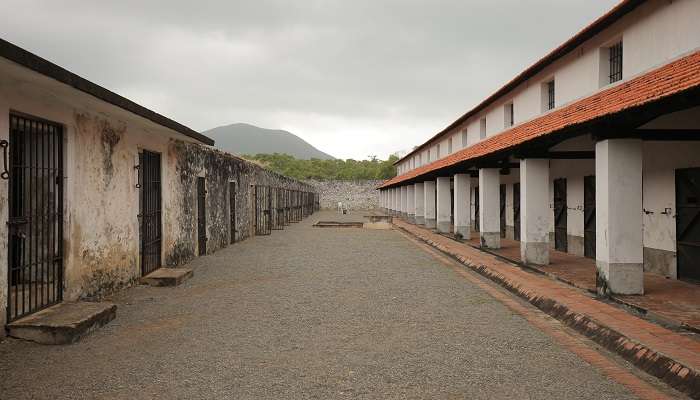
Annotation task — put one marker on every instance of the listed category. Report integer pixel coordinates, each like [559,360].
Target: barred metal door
[502,202]
[263,220]
[35,225]
[688,223]
[476,210]
[516,211]
[278,207]
[589,216]
[150,212]
[232,211]
[201,216]
[560,217]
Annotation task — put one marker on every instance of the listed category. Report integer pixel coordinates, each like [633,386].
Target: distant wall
[355,195]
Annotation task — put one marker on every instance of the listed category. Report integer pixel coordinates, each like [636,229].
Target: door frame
[560,232]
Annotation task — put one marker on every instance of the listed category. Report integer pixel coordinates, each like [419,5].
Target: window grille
[508,115]
[482,128]
[616,62]
[550,95]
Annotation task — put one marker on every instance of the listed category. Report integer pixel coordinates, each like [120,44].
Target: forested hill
[248,139]
[327,169]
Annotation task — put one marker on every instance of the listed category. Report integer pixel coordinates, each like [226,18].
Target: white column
[392,202]
[429,204]
[444,213]
[619,230]
[411,204]
[534,211]
[404,200]
[489,208]
[419,202]
[462,207]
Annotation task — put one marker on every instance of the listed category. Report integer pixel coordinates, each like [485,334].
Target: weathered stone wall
[355,195]
[218,169]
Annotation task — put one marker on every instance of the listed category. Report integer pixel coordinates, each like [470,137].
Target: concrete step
[167,276]
[63,323]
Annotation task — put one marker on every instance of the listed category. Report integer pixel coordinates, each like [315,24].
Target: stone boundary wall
[355,195]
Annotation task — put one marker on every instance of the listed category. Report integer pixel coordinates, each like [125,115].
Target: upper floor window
[482,128]
[548,96]
[428,154]
[508,115]
[437,151]
[449,146]
[420,159]
[464,138]
[615,62]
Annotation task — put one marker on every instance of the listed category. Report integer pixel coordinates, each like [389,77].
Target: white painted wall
[653,34]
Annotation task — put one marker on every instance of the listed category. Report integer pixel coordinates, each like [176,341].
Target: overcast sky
[354,78]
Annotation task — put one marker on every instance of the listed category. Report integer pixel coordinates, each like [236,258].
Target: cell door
[150,211]
[263,207]
[476,210]
[516,211]
[35,223]
[688,223]
[201,216]
[560,240]
[589,216]
[232,211]
[502,202]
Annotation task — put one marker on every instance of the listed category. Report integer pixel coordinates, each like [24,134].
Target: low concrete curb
[63,323]
[167,277]
[672,372]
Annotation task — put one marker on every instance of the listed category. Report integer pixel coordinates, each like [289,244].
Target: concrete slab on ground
[63,323]
[167,276]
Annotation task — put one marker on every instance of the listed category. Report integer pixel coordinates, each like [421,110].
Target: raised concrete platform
[63,323]
[378,222]
[167,276]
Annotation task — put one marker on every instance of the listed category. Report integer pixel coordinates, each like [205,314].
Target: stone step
[167,277]
[63,323]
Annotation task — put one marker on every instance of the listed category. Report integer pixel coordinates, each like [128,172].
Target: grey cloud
[383,72]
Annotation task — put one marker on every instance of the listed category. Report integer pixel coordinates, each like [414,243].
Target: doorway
[150,211]
[688,223]
[560,211]
[589,216]
[201,216]
[35,223]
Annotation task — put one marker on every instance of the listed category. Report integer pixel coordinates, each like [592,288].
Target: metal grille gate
[263,210]
[232,211]
[150,211]
[477,218]
[201,216]
[35,225]
[516,211]
[502,203]
[560,215]
[278,209]
[688,223]
[589,216]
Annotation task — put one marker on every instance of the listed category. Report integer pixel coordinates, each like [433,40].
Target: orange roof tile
[671,79]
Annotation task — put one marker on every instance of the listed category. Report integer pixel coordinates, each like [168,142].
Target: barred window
[464,137]
[615,62]
[550,95]
[482,128]
[449,146]
[508,115]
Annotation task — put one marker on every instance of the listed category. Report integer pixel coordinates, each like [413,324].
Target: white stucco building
[593,150]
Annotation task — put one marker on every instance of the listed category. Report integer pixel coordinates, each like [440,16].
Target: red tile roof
[671,79]
[565,48]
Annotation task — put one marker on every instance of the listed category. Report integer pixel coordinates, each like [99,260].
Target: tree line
[314,168]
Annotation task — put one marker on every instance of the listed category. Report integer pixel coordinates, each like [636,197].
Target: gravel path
[308,313]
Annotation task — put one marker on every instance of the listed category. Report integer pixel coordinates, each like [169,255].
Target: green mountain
[248,139]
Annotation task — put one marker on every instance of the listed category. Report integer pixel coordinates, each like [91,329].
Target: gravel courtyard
[308,313]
